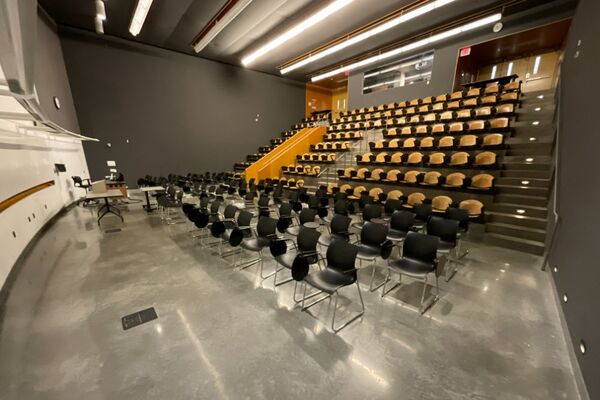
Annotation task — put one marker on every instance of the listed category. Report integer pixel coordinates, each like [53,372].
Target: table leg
[148,207]
[108,210]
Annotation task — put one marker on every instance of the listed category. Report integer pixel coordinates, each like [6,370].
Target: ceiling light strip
[296,30]
[139,16]
[219,22]
[427,8]
[411,46]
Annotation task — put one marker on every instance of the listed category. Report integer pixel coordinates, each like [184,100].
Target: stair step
[517,181]
[522,189]
[517,173]
[511,208]
[509,242]
[538,201]
[517,219]
[516,231]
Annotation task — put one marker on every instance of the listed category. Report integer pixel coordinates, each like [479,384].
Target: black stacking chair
[369,212]
[340,207]
[84,184]
[277,194]
[266,230]
[419,259]
[340,271]
[373,243]
[462,216]
[218,227]
[447,231]
[391,206]
[339,229]
[306,215]
[305,247]
[401,223]
[242,228]
[422,213]
[263,206]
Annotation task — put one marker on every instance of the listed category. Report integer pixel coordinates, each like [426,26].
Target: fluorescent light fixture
[296,30]
[408,78]
[420,43]
[510,67]
[536,65]
[221,24]
[494,69]
[99,23]
[139,16]
[367,34]
[100,10]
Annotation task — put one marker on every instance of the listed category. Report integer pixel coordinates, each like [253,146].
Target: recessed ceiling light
[296,30]
[412,46]
[530,159]
[535,123]
[369,33]
[565,298]
[520,211]
[537,109]
[139,16]
[532,139]
[525,182]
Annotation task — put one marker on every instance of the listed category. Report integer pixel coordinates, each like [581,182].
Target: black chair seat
[396,235]
[325,240]
[412,267]
[293,230]
[445,247]
[329,280]
[255,244]
[367,252]
[287,259]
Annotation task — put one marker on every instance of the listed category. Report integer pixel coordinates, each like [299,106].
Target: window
[407,71]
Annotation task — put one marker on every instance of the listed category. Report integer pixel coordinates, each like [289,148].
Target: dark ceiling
[172,24]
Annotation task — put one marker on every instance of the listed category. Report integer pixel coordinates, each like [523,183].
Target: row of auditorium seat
[420,125]
[508,92]
[430,143]
[459,159]
[453,181]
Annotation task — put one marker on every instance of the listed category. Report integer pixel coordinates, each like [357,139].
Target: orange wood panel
[317,98]
[269,166]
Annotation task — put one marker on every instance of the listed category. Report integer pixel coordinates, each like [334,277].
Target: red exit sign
[465,51]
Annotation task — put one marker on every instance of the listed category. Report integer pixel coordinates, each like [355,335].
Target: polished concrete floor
[226,334]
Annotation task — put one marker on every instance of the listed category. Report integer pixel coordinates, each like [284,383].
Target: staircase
[517,218]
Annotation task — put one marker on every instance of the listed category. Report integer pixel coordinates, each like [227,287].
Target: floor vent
[138,318]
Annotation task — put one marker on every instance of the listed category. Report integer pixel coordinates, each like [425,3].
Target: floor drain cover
[138,318]
[114,230]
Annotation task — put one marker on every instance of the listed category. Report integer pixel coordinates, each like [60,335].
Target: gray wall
[445,58]
[50,76]
[575,252]
[180,113]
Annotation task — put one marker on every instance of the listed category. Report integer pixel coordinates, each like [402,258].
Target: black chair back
[307,215]
[341,256]
[421,247]
[445,229]
[371,211]
[392,205]
[229,212]
[341,207]
[373,234]
[266,227]
[340,225]
[244,218]
[422,211]
[307,240]
[458,214]
[402,220]
[214,207]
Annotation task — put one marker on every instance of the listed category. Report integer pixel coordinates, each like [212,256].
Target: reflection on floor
[225,334]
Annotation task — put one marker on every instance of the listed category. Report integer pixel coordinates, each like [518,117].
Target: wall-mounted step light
[582,347]
[100,17]
[520,211]
[139,16]
[535,123]
[296,30]
[537,109]
[412,46]
[529,159]
[429,7]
